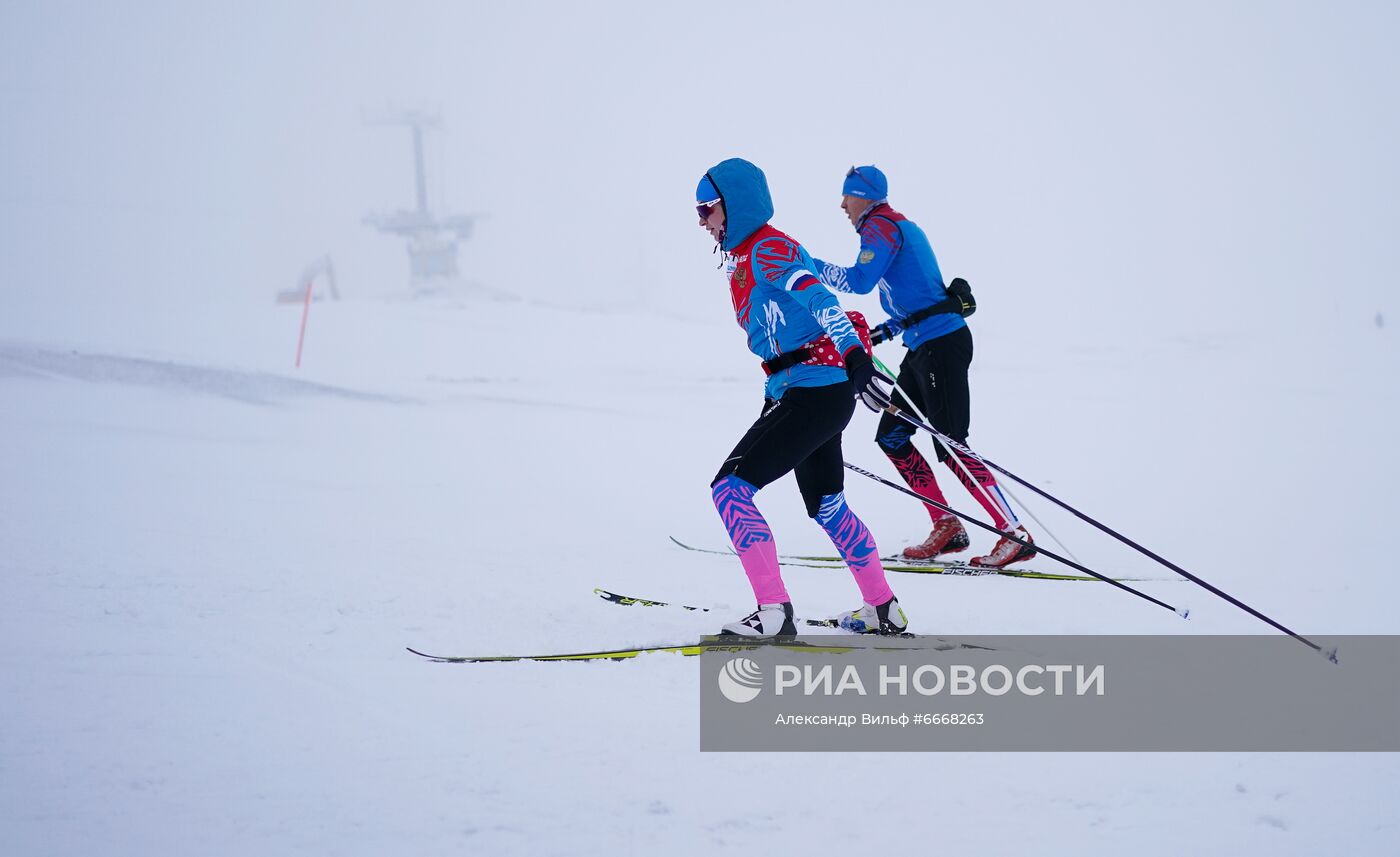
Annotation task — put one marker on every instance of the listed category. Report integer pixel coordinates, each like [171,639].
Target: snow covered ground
[1180,223]
[213,563]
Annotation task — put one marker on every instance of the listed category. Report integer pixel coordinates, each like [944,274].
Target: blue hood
[747,204]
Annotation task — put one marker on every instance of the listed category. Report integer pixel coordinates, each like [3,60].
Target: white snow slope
[1180,221]
[213,564]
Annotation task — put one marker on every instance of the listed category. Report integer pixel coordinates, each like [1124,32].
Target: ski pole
[1330,654]
[972,480]
[1183,613]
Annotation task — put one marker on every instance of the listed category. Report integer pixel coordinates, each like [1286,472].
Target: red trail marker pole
[305,311]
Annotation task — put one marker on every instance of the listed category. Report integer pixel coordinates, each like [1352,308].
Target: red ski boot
[1007,551]
[948,536]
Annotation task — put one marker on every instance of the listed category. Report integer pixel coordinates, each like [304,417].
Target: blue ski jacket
[778,300]
[895,255]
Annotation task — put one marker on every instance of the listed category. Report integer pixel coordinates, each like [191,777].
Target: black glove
[866,379]
[880,333]
[960,290]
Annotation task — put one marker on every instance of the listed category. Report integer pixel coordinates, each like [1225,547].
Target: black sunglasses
[705,209]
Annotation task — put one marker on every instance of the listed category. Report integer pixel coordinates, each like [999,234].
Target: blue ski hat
[744,190]
[866,182]
[705,191]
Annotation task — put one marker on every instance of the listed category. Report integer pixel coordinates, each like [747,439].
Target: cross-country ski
[900,565]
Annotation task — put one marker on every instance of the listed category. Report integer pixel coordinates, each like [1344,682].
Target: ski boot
[769,620]
[948,536]
[887,618]
[1006,551]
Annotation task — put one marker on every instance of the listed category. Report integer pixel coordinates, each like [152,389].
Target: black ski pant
[800,432]
[933,377]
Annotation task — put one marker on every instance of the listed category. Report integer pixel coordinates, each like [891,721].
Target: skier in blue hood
[817,361]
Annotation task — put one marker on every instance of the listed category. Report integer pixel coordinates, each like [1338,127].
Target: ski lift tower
[432,240]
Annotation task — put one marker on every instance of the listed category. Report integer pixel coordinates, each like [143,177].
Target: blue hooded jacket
[778,300]
[747,204]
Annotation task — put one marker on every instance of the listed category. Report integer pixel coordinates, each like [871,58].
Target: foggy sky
[1202,167]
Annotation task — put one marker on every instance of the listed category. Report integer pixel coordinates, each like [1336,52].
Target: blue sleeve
[879,242]
[780,263]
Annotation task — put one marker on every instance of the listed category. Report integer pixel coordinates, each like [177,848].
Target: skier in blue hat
[930,318]
[817,362]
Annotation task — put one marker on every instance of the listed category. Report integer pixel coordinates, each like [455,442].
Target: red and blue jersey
[895,255]
[781,305]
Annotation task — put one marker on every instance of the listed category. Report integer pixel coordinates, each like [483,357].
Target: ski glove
[866,379]
[881,333]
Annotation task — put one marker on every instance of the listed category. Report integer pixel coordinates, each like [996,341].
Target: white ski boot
[769,620]
[887,618]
